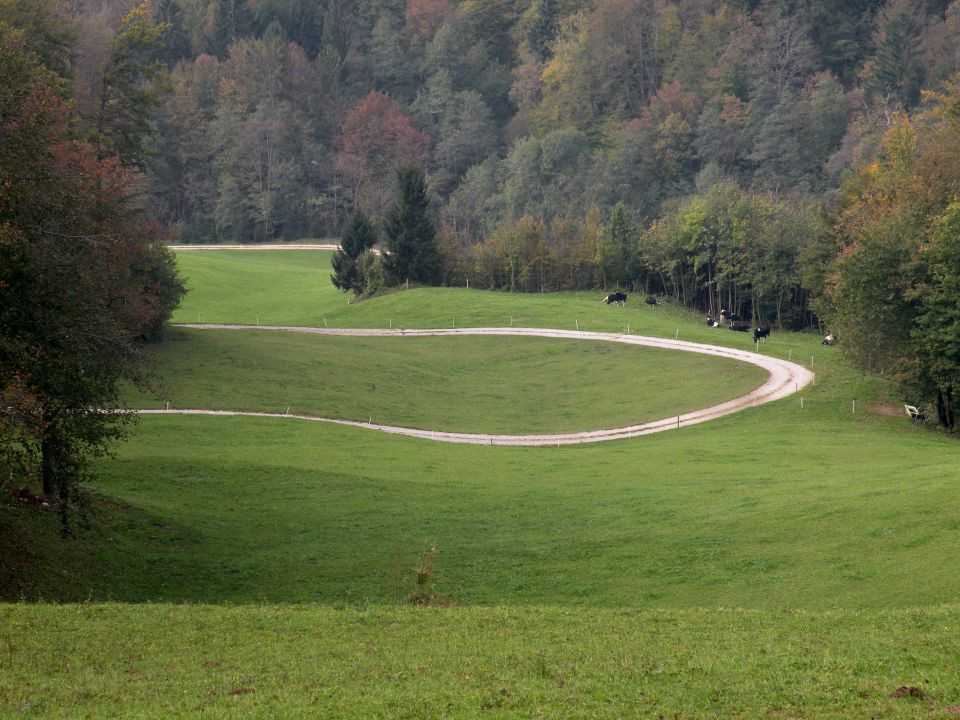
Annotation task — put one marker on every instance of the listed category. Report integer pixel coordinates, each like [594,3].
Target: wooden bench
[913,412]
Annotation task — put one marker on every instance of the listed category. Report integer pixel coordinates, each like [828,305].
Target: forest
[792,161]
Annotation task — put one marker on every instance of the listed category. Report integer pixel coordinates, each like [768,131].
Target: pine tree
[358,236]
[895,74]
[412,252]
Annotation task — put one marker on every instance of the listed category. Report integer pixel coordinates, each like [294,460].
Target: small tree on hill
[412,252]
[358,237]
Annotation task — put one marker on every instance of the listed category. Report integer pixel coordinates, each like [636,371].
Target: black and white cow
[761,332]
[651,300]
[711,323]
[616,297]
[829,339]
[727,316]
[739,326]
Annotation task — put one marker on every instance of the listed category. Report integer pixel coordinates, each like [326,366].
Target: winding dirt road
[784,378]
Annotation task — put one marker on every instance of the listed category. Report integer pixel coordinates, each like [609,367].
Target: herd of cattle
[733,321]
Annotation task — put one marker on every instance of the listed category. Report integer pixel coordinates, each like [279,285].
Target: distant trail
[784,378]
[265,246]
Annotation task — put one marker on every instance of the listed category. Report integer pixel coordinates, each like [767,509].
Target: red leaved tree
[375,139]
[84,282]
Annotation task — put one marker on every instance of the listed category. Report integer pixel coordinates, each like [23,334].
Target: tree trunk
[47,474]
[945,407]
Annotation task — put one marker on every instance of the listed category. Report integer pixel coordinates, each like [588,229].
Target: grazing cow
[711,322]
[727,316]
[761,332]
[740,326]
[651,300]
[616,297]
[829,339]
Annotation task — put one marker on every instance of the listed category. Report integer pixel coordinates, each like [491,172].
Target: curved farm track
[783,378]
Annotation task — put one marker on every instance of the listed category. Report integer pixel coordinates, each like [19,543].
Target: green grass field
[463,384]
[781,562]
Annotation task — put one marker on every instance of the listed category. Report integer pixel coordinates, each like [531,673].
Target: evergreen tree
[130,84]
[619,231]
[412,252]
[542,29]
[231,20]
[173,37]
[358,236]
[895,74]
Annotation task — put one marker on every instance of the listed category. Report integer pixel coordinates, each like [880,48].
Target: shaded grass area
[254,661]
[466,384]
[750,511]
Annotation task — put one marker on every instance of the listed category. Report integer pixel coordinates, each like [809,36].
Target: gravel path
[784,378]
[264,246]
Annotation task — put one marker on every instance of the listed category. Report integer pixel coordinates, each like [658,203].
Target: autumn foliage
[376,138]
[85,280]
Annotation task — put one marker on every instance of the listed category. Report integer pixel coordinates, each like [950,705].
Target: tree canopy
[85,279]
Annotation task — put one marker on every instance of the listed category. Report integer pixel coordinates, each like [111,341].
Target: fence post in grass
[677,335]
[577,323]
[853,408]
[801,402]
[325,321]
[288,410]
[678,422]
[454,321]
[511,321]
[391,323]
[168,405]
[258,318]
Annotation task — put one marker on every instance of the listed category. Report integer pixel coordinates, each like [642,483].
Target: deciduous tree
[84,280]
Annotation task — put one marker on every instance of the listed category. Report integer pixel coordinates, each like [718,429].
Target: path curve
[784,378]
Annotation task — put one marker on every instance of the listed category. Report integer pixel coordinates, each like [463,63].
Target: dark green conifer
[412,252]
[357,237]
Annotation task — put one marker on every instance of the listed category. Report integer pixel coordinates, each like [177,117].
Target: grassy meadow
[464,384]
[786,561]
